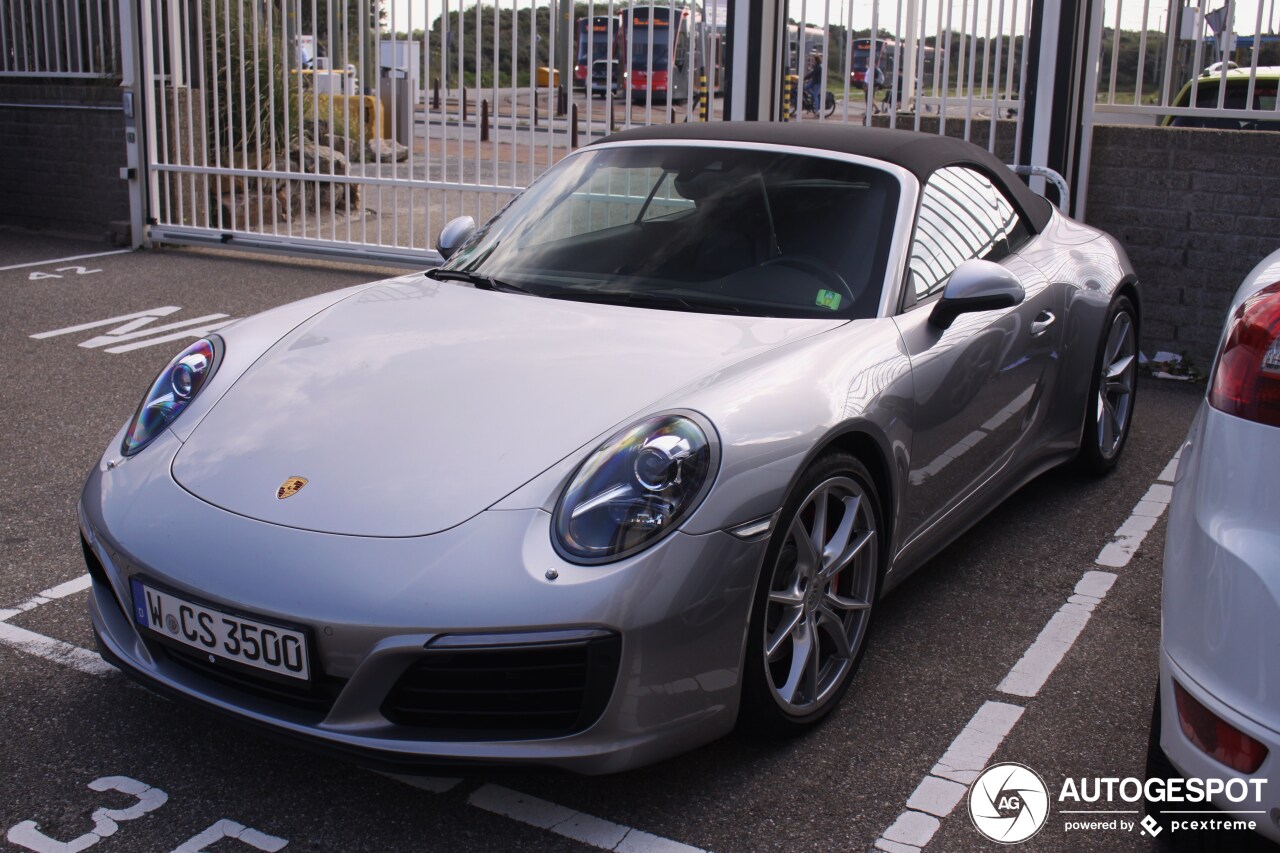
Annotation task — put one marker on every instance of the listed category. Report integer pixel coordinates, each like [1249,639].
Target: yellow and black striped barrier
[790,89]
[704,108]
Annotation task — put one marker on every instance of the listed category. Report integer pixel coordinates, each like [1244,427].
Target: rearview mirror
[454,234]
[976,286]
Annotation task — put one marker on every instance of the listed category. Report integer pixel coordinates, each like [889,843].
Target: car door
[979,384]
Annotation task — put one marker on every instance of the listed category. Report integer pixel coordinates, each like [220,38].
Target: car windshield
[719,230]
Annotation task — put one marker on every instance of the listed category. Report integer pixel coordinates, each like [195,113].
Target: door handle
[1042,323]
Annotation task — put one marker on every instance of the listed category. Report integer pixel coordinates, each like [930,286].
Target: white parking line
[54,650]
[1128,536]
[938,793]
[563,821]
[1040,660]
[64,260]
[62,590]
[47,647]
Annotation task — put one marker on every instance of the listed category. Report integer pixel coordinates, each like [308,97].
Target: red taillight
[1247,381]
[1216,737]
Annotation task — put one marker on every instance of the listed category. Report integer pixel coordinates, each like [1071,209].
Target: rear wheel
[814,601]
[1109,406]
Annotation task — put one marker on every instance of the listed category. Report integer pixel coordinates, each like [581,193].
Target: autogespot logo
[1008,803]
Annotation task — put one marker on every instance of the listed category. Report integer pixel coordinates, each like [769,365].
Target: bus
[601,39]
[681,46]
[888,54]
[814,40]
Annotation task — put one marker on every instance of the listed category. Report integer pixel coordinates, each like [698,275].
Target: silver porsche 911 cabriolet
[635,465]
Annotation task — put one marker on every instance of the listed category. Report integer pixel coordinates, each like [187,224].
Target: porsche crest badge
[291,487]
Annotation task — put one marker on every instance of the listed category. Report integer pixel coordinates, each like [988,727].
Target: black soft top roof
[922,154]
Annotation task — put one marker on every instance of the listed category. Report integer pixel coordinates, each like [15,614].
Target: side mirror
[453,235]
[976,286]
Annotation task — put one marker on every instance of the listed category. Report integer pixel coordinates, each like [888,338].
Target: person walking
[877,83]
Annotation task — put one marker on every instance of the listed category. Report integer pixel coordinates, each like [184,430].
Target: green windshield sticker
[828,299]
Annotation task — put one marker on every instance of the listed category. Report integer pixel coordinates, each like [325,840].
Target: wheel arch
[1128,287]
[868,444]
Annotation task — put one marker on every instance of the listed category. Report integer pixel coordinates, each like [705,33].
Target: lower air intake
[511,692]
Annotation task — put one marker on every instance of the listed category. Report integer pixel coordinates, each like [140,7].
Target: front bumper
[373,605]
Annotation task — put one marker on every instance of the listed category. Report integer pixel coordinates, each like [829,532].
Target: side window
[962,216]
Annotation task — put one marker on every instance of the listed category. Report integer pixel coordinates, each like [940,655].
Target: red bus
[681,45]
[598,39]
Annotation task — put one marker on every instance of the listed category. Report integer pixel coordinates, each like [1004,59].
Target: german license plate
[246,641]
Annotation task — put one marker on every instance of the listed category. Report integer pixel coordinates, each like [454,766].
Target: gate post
[757,33]
[133,93]
[1053,131]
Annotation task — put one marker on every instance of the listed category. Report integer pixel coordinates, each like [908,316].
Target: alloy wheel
[820,595]
[1115,385]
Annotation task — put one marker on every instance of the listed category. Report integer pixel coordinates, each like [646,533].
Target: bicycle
[828,105]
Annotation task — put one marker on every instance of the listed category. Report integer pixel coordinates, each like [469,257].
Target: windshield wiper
[483,282]
[647,299]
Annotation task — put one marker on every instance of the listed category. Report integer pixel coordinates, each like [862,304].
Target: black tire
[827,607]
[829,105]
[1106,423]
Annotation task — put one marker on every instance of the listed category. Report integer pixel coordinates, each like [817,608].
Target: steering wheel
[816,268]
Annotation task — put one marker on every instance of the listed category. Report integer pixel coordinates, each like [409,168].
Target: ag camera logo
[1008,803]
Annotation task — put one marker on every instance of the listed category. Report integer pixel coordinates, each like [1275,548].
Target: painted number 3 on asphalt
[106,821]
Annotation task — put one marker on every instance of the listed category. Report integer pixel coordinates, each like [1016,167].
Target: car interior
[787,239]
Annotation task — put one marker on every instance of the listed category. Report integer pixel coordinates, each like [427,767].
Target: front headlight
[171,393]
[634,489]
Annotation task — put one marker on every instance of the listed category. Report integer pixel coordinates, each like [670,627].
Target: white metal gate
[359,127]
[954,66]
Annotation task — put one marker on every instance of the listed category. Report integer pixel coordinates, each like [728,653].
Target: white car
[1217,714]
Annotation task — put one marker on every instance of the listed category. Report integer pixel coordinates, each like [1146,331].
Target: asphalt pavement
[167,777]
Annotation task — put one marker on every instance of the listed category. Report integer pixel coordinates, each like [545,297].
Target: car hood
[414,405]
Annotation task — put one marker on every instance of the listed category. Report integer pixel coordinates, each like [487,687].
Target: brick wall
[1196,210]
[60,166]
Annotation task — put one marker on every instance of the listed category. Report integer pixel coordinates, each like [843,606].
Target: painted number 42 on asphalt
[37,275]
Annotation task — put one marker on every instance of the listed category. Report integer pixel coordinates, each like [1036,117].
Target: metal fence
[928,64]
[59,38]
[1188,65]
[358,127]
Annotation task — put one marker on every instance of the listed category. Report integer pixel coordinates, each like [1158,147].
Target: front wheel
[1109,406]
[814,600]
